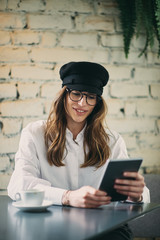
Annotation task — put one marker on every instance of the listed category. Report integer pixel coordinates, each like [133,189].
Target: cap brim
[85,88]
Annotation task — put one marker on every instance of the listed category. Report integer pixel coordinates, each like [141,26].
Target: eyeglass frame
[98,98]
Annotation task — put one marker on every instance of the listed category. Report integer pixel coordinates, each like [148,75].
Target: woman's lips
[80,111]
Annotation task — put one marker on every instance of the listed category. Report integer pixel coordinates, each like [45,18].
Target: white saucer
[20,205]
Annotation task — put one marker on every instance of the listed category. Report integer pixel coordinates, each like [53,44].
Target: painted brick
[4,180]
[4,37]
[105,94]
[12,20]
[30,119]
[149,140]
[69,5]
[118,56]
[9,144]
[129,90]
[106,7]
[118,72]
[63,55]
[3,4]
[155,90]
[56,70]
[11,126]
[147,74]
[131,125]
[148,108]
[152,169]
[130,109]
[118,26]
[130,141]
[4,163]
[60,21]
[58,55]
[49,39]
[12,5]
[138,43]
[47,106]
[28,90]
[79,40]
[7,90]
[114,106]
[28,5]
[3,192]
[31,72]
[25,37]
[4,71]
[158,125]
[147,155]
[9,54]
[50,90]
[95,22]
[33,107]
[152,58]
[99,56]
[112,40]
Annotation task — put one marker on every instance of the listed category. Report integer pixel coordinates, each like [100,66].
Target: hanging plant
[140,16]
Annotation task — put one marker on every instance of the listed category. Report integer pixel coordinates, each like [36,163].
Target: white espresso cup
[31,197]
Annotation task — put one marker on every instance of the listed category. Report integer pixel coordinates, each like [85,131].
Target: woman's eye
[91,97]
[76,94]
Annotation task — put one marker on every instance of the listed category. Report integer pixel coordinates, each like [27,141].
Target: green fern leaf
[128,19]
[157,22]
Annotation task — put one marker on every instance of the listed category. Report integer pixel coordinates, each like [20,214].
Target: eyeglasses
[76,96]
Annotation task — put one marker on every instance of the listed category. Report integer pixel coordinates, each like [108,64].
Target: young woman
[66,155]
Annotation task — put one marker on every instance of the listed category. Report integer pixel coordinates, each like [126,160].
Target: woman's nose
[83,101]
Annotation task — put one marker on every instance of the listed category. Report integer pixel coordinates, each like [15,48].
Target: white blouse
[32,169]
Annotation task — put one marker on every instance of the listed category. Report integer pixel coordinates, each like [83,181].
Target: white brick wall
[20,108]
[8,90]
[11,126]
[25,37]
[155,90]
[128,90]
[37,37]
[12,21]
[31,72]
[4,71]
[11,54]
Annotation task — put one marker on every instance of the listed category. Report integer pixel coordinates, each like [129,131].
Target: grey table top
[67,223]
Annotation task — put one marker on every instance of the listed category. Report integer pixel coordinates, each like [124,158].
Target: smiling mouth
[79,111]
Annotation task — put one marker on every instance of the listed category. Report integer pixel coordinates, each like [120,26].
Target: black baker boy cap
[84,76]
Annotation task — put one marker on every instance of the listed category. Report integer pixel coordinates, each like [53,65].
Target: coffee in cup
[31,197]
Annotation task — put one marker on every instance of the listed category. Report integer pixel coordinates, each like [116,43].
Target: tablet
[114,170]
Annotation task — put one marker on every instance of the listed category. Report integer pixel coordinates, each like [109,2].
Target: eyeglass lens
[76,96]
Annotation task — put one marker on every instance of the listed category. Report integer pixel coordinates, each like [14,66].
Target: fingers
[88,197]
[136,180]
[94,197]
[97,198]
[133,187]
[91,203]
[134,175]
[129,191]
[93,191]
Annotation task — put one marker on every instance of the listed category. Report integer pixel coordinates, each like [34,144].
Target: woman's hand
[86,197]
[132,188]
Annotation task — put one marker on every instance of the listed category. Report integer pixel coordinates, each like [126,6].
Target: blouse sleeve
[27,172]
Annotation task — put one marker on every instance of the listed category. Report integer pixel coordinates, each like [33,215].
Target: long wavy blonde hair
[95,144]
